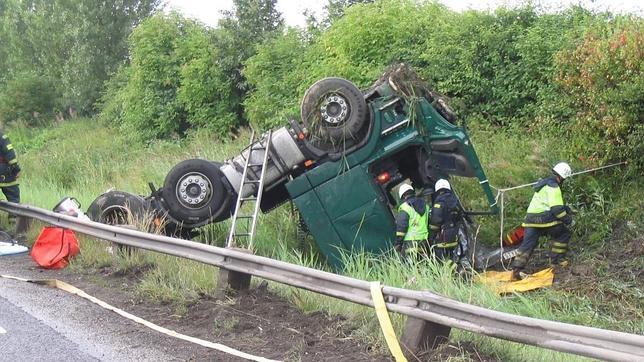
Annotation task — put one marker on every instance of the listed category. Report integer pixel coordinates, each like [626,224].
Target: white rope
[500,195]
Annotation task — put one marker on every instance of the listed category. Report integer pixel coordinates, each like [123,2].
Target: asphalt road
[38,323]
[47,324]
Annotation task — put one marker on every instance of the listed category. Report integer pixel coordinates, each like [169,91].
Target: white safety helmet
[562,169]
[403,189]
[442,184]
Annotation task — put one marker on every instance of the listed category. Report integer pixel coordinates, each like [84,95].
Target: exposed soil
[256,322]
[610,275]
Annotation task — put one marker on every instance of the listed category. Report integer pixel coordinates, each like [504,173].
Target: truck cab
[338,165]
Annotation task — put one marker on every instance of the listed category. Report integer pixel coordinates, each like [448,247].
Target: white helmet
[442,184]
[403,189]
[562,169]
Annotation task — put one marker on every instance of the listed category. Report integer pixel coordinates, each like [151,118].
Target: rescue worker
[546,215]
[445,216]
[9,174]
[411,223]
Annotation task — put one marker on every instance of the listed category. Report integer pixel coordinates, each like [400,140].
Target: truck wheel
[334,111]
[117,208]
[194,192]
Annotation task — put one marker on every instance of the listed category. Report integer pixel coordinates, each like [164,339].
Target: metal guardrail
[580,340]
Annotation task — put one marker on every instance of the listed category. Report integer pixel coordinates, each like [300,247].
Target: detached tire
[334,111]
[117,208]
[194,193]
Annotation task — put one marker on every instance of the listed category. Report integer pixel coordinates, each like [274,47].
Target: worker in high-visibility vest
[9,173]
[547,215]
[445,217]
[411,223]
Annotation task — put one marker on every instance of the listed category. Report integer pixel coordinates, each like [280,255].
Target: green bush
[603,77]
[172,83]
[73,44]
[276,77]
[497,67]
[30,98]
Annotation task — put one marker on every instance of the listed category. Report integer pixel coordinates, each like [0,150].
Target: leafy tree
[172,83]
[336,8]
[275,75]
[101,32]
[28,97]
[604,78]
[79,43]
[240,31]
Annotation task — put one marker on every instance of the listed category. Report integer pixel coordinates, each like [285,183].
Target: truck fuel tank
[284,155]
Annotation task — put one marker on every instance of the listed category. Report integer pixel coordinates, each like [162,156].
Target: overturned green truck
[338,165]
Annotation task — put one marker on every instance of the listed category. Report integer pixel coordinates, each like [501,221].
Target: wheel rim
[115,215]
[194,190]
[335,109]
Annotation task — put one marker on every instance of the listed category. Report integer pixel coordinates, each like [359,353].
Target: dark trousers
[443,254]
[413,250]
[12,193]
[559,235]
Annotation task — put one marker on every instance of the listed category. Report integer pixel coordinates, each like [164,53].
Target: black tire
[194,193]
[117,208]
[334,111]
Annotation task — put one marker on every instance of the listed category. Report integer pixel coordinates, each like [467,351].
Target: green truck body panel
[345,208]
[347,213]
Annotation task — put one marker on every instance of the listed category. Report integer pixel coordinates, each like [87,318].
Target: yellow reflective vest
[547,206]
[417,229]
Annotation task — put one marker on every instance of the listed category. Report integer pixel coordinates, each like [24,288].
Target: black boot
[516,274]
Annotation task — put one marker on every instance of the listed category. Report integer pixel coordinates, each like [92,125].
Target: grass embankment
[82,159]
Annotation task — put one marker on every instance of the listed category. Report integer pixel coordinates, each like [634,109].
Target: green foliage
[604,78]
[273,75]
[29,98]
[77,43]
[574,72]
[336,8]
[172,83]
[358,46]
[250,23]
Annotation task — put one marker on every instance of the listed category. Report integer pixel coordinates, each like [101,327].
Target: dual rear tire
[195,193]
[335,114]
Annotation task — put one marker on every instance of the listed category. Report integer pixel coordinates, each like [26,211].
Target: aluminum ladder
[254,168]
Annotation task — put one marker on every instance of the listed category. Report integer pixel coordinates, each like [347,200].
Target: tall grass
[82,159]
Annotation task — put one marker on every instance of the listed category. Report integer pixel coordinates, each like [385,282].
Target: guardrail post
[23,224]
[421,335]
[232,280]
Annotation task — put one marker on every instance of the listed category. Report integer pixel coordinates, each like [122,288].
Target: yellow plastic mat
[501,281]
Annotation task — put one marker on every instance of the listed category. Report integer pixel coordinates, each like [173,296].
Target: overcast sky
[209,11]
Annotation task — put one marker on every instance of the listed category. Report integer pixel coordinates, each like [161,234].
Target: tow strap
[385,322]
[55,283]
